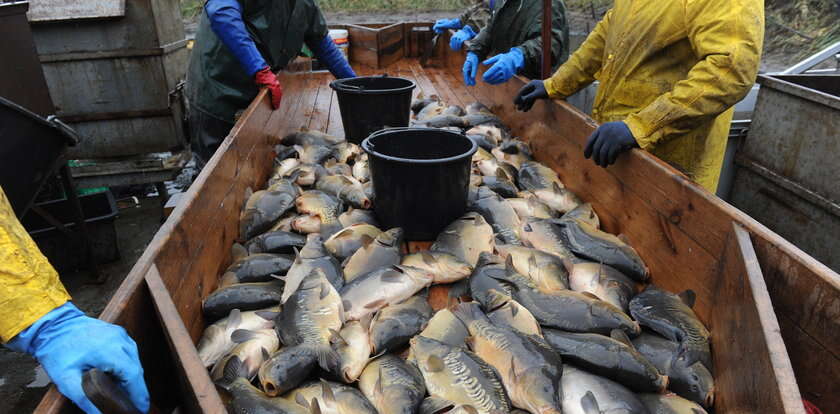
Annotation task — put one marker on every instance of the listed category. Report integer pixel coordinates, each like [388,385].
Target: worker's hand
[470,68]
[529,94]
[460,37]
[504,66]
[443,24]
[608,141]
[267,78]
[68,343]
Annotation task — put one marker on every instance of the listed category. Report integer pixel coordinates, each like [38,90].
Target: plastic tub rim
[337,86]
[455,158]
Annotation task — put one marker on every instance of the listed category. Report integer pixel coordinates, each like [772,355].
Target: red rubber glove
[267,78]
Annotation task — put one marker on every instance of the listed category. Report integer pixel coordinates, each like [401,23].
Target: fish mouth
[366,204]
[270,389]
[710,398]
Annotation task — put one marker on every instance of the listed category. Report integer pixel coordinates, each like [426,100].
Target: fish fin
[513,311]
[234,368]
[467,312]
[234,319]
[590,295]
[301,401]
[366,241]
[377,304]
[527,228]
[556,187]
[346,305]
[392,277]
[238,251]
[688,297]
[327,393]
[428,258]
[459,288]
[622,337]
[568,264]
[267,315]
[509,264]
[336,338]
[532,264]
[314,407]
[623,238]
[280,278]
[469,409]
[265,354]
[434,364]
[327,357]
[366,321]
[589,404]
[325,290]
[437,405]
[242,335]
[512,371]
[500,174]
[377,388]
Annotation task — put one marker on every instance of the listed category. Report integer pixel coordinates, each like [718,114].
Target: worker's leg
[206,134]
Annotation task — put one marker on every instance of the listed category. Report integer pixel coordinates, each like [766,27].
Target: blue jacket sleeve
[327,52]
[226,21]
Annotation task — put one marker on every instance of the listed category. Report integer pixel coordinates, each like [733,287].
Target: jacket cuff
[19,334]
[644,134]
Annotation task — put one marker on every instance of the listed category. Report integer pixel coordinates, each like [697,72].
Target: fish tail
[468,312]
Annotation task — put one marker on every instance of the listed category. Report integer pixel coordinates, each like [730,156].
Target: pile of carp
[322,311]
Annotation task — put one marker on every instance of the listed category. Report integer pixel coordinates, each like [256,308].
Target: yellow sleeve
[728,34]
[29,286]
[582,66]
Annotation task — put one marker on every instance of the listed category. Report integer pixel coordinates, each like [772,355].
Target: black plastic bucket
[371,103]
[421,178]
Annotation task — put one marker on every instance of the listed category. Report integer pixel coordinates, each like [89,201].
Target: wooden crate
[375,45]
[687,236]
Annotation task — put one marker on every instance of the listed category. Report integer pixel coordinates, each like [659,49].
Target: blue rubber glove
[460,37]
[226,21]
[327,52]
[505,65]
[68,343]
[608,141]
[470,68]
[443,24]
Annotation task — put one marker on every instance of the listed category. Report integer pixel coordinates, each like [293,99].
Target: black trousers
[206,133]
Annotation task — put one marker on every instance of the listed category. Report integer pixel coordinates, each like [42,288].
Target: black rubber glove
[608,141]
[529,93]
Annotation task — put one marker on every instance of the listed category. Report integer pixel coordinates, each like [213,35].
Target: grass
[190,8]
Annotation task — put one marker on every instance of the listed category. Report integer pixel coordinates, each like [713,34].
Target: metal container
[787,176]
[114,76]
[33,148]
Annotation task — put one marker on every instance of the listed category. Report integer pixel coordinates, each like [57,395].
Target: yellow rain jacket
[29,286]
[671,70]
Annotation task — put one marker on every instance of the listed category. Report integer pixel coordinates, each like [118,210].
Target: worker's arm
[480,44]
[581,67]
[226,21]
[728,34]
[318,39]
[532,48]
[39,320]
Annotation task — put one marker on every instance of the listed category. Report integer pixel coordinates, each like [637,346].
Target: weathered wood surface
[56,10]
[744,322]
[683,232]
[658,207]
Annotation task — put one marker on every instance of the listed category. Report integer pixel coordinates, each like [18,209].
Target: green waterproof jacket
[477,16]
[518,23]
[216,82]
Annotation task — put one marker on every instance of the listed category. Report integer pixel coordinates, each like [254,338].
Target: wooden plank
[362,37]
[321,113]
[816,368]
[422,80]
[744,324]
[197,384]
